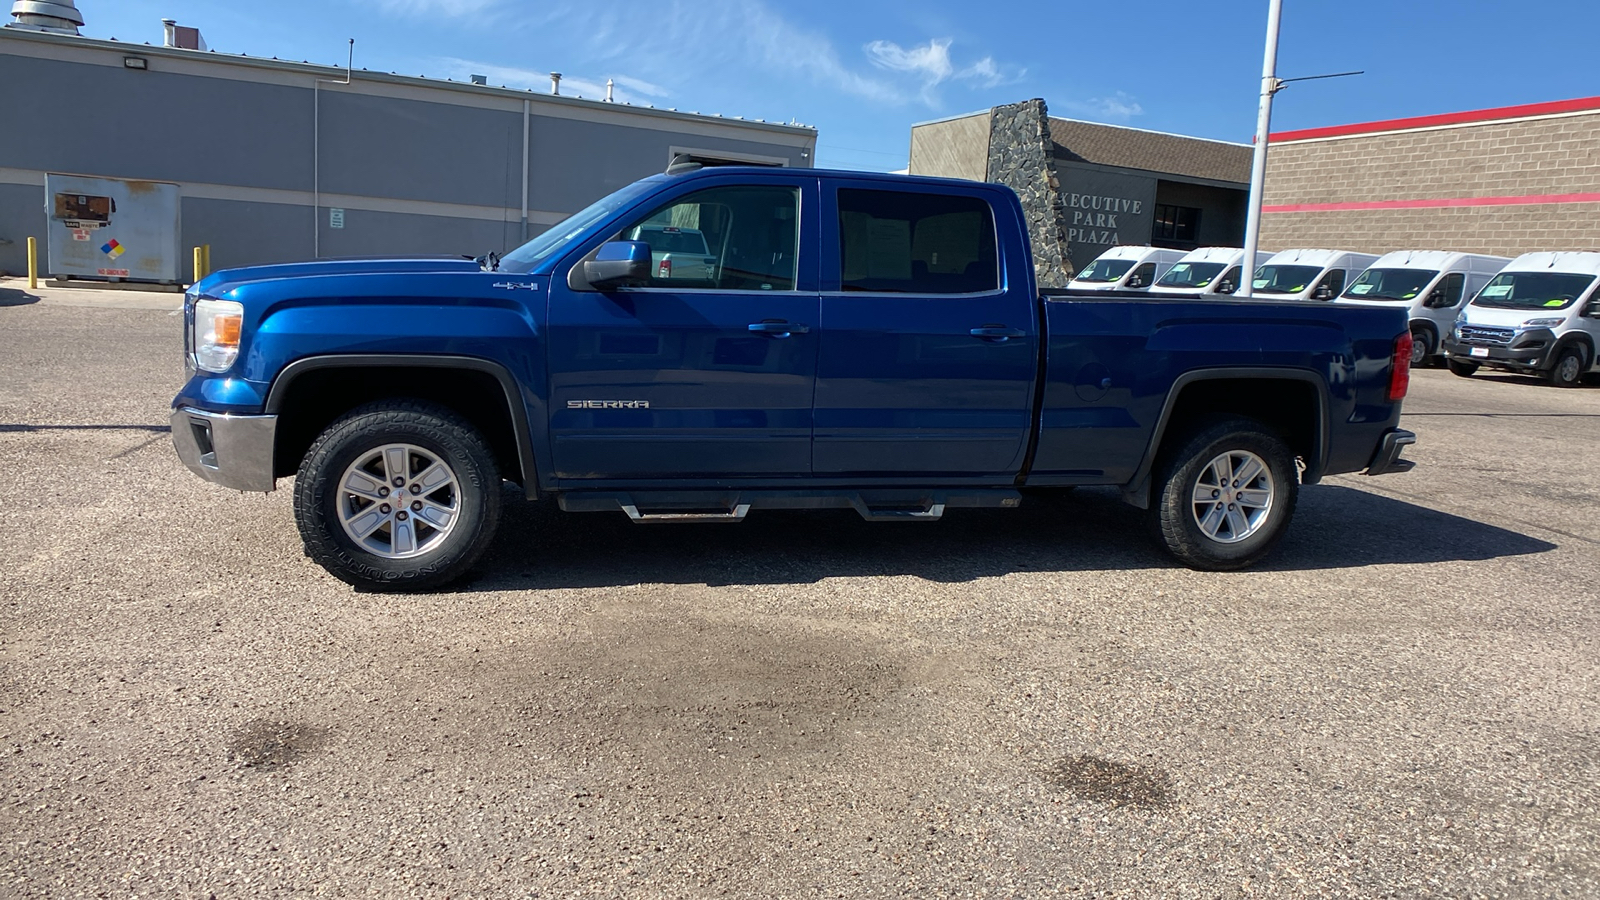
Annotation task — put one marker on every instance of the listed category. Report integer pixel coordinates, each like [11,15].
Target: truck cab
[1308,274]
[1539,316]
[1432,285]
[1207,271]
[1126,268]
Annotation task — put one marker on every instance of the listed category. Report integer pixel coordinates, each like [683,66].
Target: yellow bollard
[205,257]
[33,264]
[199,264]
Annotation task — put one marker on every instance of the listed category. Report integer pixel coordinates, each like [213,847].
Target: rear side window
[909,243]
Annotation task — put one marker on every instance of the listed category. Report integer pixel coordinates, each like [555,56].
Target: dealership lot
[1401,701]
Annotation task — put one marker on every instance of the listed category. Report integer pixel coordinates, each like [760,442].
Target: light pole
[1270,84]
[1258,163]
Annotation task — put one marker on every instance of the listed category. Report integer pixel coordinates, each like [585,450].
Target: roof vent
[480,79]
[59,16]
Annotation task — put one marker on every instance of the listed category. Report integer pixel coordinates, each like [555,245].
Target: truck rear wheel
[397,495]
[1226,496]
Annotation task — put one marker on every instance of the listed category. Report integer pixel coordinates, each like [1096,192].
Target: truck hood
[227,279]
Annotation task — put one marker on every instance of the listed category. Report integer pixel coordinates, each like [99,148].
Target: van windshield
[1190,275]
[1532,290]
[1103,270]
[1390,284]
[1284,279]
[528,257]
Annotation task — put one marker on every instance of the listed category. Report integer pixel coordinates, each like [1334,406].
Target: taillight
[1400,368]
[665,269]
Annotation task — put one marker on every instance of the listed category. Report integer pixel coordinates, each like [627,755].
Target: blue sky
[864,73]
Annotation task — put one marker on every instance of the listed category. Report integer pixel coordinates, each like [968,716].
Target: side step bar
[736,514]
[873,505]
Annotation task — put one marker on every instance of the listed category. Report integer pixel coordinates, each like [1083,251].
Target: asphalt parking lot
[1403,701]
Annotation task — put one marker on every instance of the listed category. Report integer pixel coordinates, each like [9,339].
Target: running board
[736,514]
[872,504]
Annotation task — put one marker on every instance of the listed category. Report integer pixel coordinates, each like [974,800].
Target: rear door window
[912,243]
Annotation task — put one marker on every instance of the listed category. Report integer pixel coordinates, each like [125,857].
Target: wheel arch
[1580,338]
[311,392]
[1214,392]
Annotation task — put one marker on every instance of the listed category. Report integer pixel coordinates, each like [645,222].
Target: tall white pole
[1258,164]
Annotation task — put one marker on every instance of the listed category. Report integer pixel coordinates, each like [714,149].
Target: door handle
[778,328]
[996,334]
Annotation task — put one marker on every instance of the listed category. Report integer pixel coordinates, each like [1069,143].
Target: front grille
[1486,335]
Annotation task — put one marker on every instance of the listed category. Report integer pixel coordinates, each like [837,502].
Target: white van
[1308,274]
[1432,284]
[1208,271]
[1539,316]
[1126,269]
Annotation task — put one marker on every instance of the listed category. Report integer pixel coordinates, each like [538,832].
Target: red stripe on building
[1583,104]
[1440,203]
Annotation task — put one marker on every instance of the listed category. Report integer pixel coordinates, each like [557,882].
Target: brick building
[1098,185]
[1503,181]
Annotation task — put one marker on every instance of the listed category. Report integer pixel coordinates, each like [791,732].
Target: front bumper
[230,450]
[1387,459]
[1528,351]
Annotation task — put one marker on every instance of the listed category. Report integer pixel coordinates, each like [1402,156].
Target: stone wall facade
[1493,186]
[1022,157]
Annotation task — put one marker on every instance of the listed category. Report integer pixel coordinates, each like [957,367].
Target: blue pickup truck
[831,339]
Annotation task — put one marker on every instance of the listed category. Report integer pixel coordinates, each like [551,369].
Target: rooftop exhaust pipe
[611,87]
[555,83]
[59,16]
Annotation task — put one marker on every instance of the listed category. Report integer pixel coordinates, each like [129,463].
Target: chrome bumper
[1387,459]
[233,451]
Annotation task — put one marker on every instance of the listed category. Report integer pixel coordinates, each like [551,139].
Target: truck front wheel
[397,495]
[1570,366]
[1226,495]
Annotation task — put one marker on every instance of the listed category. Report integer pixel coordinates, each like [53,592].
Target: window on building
[904,242]
[1176,225]
[737,238]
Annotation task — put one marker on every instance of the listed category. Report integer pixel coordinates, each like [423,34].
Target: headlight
[217,324]
[1548,322]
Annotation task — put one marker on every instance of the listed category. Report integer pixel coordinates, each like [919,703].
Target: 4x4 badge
[513,285]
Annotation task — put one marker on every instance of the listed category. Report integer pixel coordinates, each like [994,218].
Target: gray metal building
[282,161]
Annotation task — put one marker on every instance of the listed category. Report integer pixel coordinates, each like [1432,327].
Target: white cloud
[931,64]
[1119,106]
[447,8]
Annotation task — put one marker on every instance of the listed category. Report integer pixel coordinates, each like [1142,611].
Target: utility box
[113,229]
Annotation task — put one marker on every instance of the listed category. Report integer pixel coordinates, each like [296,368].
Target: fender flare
[508,386]
[1137,490]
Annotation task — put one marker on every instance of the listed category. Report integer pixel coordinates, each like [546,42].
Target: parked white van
[1207,271]
[1126,269]
[1308,274]
[1540,316]
[1432,284]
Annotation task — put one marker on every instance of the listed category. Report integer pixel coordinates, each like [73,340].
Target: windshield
[1532,290]
[1190,275]
[1284,279]
[527,257]
[1390,284]
[1103,270]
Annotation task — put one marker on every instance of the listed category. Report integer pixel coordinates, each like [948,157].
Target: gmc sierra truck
[847,340]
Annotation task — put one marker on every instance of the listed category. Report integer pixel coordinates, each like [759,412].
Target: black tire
[1174,516]
[1571,362]
[433,431]
[1461,367]
[1421,347]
